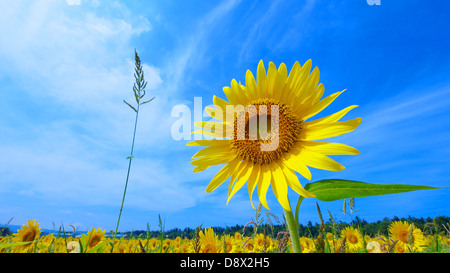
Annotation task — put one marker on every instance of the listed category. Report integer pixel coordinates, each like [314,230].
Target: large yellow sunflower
[263,133]
[28,233]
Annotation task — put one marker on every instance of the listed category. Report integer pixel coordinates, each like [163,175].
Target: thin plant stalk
[130,158]
[139,93]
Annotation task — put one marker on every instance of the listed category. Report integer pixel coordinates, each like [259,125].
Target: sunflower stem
[293,231]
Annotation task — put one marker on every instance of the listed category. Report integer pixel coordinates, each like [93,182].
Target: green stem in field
[139,93]
[293,231]
[130,158]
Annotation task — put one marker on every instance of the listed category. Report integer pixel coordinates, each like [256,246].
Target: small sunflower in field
[353,239]
[264,134]
[230,243]
[94,237]
[209,241]
[28,233]
[260,242]
[307,245]
[237,237]
[153,244]
[446,240]
[46,240]
[407,236]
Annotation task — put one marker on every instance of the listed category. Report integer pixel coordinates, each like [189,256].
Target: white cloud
[73,2]
[83,62]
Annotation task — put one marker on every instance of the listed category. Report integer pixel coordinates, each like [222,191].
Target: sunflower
[229,243]
[307,244]
[353,238]
[28,233]
[263,133]
[407,236]
[210,241]
[94,237]
[260,242]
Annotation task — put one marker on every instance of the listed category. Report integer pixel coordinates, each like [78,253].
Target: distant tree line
[440,225]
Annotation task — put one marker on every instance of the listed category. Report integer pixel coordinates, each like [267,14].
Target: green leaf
[14,244]
[130,106]
[147,101]
[98,246]
[335,189]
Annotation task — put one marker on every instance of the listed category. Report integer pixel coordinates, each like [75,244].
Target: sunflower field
[403,237]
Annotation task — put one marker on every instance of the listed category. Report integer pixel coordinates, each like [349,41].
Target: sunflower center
[264,130]
[403,236]
[94,241]
[29,236]
[352,238]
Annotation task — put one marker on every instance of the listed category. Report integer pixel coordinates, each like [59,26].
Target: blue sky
[66,66]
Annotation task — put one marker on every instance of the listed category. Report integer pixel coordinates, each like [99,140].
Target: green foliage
[310,229]
[335,189]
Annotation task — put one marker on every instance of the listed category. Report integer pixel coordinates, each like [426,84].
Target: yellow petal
[293,182]
[240,93]
[216,113]
[280,82]
[309,86]
[218,134]
[271,79]
[318,94]
[253,181]
[209,142]
[322,131]
[288,95]
[331,118]
[243,177]
[251,85]
[317,160]
[218,102]
[208,161]
[236,173]
[300,80]
[316,108]
[212,151]
[261,79]
[231,96]
[279,186]
[328,148]
[222,175]
[263,184]
[295,163]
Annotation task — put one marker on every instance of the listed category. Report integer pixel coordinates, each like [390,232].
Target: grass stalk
[139,93]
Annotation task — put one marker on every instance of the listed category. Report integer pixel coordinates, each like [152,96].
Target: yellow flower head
[94,237]
[28,233]
[354,239]
[264,134]
[408,237]
[209,241]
